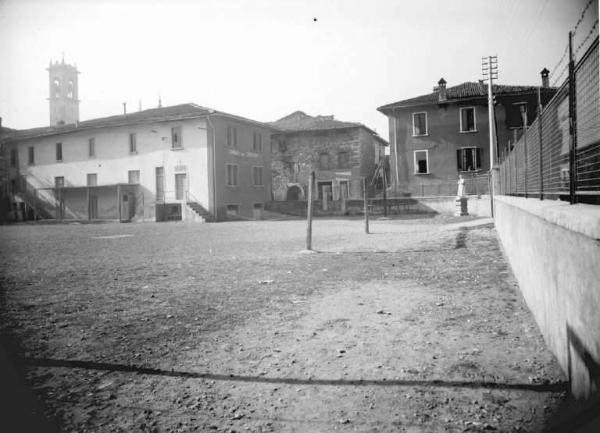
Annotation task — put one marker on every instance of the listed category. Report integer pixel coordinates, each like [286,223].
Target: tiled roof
[174,112]
[299,121]
[468,90]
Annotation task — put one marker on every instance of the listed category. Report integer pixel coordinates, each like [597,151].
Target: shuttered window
[468,158]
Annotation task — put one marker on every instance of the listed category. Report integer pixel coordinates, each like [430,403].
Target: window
[419,124]
[56,87]
[467,119]
[160,183]
[343,160]
[421,162]
[468,158]
[233,209]
[30,155]
[257,176]
[324,161]
[59,182]
[70,89]
[92,147]
[232,174]
[257,142]
[92,179]
[176,141]
[59,151]
[132,143]
[133,177]
[231,136]
[13,157]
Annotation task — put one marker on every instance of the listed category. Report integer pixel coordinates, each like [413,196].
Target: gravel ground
[233,327]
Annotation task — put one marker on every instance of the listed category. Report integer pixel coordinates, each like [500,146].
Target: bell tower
[63,96]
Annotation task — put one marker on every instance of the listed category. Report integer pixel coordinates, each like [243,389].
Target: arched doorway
[294,193]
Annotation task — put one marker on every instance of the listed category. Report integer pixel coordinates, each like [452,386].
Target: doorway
[325,190]
[93,207]
[180,186]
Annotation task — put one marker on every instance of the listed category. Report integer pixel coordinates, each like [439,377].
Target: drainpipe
[214,165]
[394,125]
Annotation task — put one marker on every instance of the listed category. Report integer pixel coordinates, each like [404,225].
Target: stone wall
[296,154]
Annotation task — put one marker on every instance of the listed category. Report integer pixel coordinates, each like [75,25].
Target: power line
[586,7]
[561,59]
[537,21]
[589,35]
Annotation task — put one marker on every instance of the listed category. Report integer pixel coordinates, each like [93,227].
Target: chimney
[545,78]
[77,124]
[124,107]
[441,90]
[159,102]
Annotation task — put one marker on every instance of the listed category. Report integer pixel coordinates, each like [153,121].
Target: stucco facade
[435,138]
[151,165]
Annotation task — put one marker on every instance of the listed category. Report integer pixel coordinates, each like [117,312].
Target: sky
[264,59]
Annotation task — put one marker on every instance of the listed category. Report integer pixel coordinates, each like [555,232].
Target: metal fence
[476,183]
[558,156]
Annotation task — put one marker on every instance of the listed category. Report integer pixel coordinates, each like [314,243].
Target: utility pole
[489,70]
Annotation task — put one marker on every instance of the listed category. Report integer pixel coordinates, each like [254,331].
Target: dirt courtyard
[231,327]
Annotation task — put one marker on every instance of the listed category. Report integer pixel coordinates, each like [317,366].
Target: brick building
[340,153]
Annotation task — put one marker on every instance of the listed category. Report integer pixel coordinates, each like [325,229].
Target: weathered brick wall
[295,155]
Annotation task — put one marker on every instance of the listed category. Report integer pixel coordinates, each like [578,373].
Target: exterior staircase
[201,214]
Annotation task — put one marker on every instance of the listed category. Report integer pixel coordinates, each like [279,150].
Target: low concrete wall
[554,251]
[479,206]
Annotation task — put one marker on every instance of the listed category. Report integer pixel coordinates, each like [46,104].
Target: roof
[298,121]
[162,114]
[464,91]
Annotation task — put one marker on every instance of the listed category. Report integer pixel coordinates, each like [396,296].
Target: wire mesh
[587,77]
[538,165]
[475,184]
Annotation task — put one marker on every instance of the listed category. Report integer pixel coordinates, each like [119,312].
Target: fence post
[366,206]
[572,125]
[541,147]
[309,211]
[516,170]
